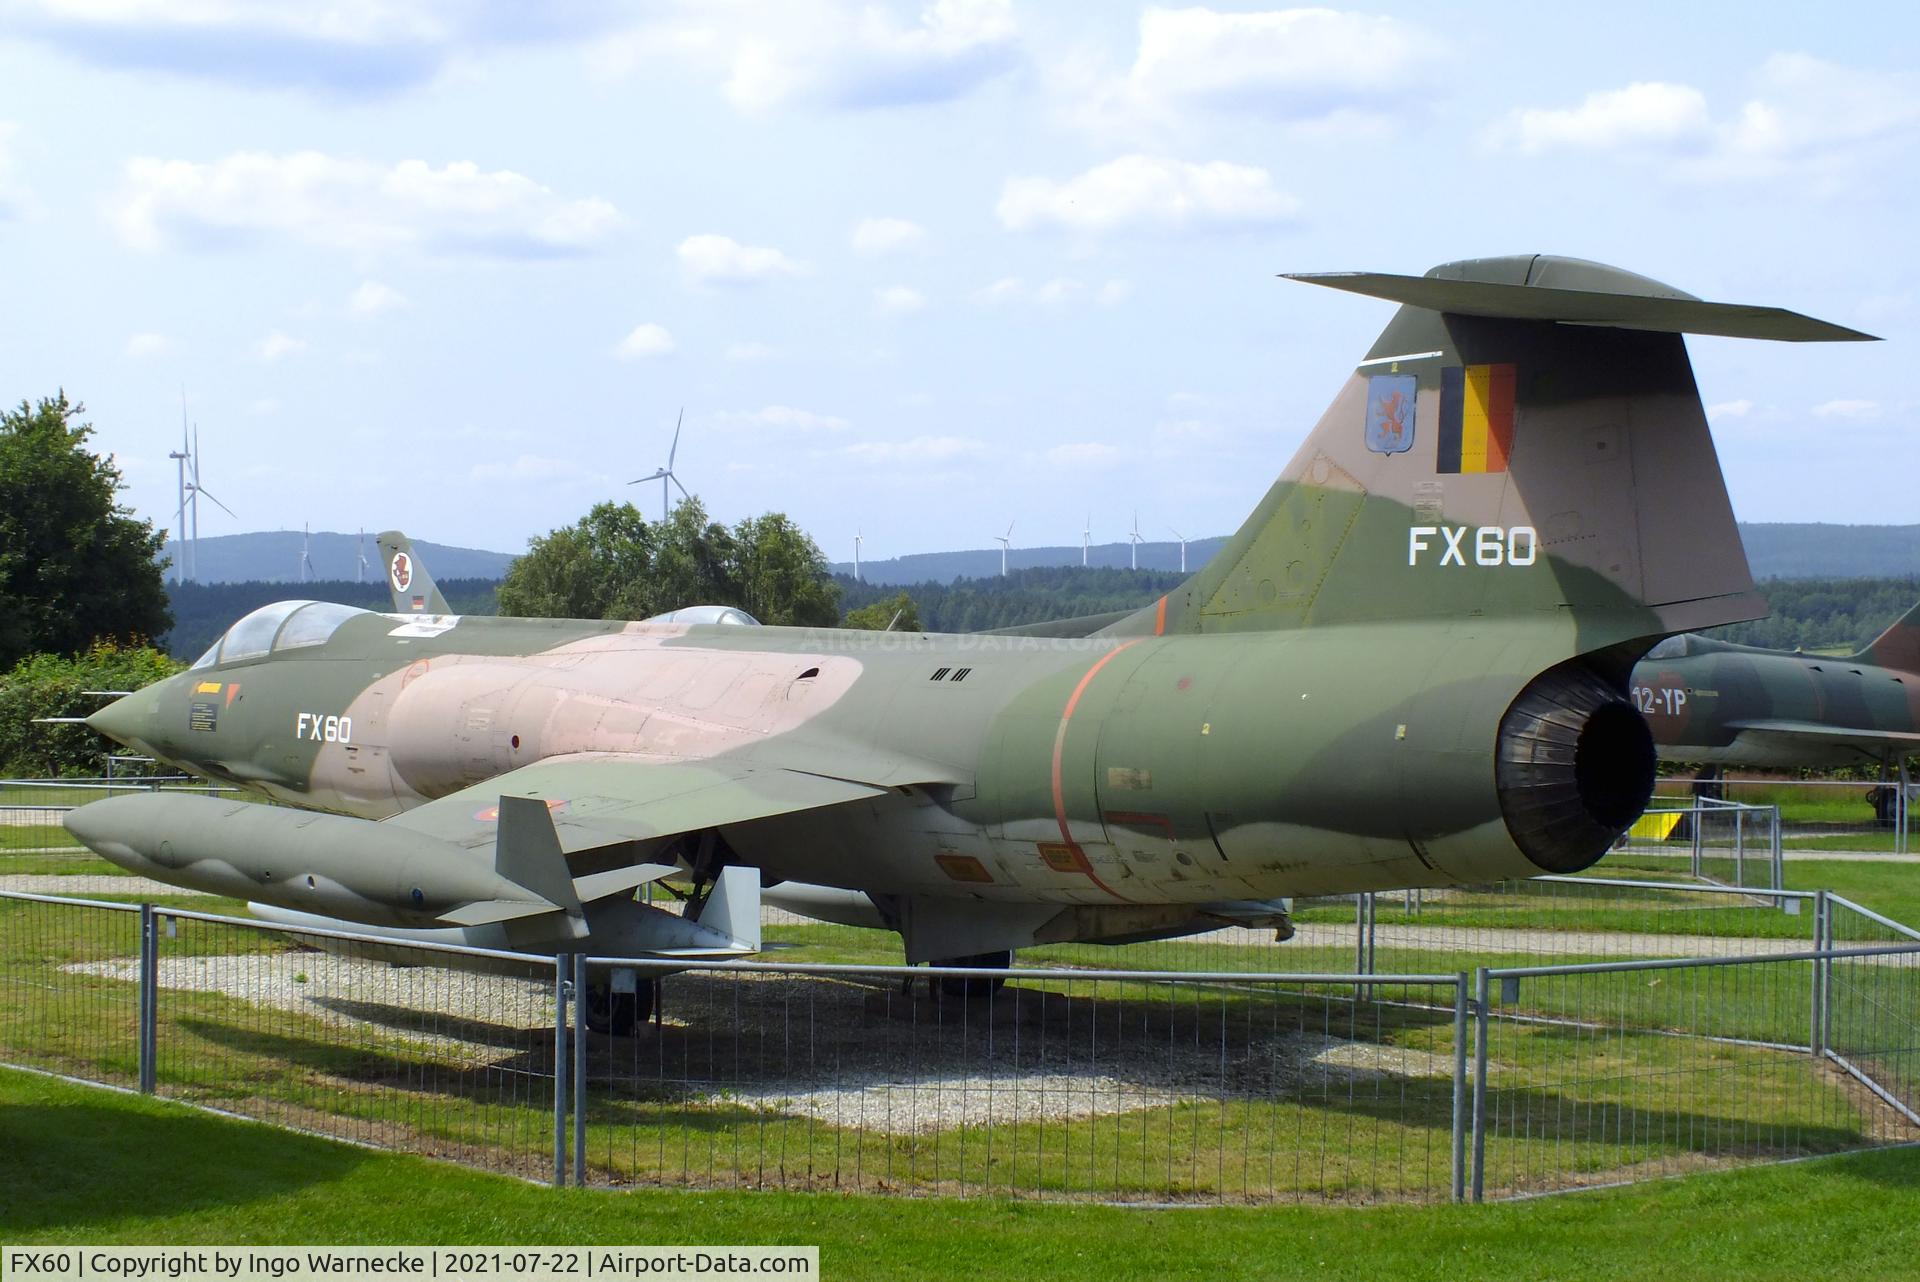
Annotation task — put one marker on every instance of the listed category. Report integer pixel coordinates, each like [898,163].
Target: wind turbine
[856,555]
[1086,540]
[665,474]
[1183,549]
[1135,536]
[360,571]
[306,554]
[179,457]
[1005,541]
[188,459]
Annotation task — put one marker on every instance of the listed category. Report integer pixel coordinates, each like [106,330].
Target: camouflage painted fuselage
[1102,771]
[1720,704]
[1407,668]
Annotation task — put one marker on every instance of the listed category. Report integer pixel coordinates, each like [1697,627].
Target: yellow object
[1656,827]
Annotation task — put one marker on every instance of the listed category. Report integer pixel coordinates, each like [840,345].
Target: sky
[913,271]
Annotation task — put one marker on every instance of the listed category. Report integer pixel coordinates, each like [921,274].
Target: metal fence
[1117,1084]
[1817,815]
[31,809]
[1730,842]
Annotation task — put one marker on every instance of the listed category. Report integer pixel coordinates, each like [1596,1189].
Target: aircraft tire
[962,986]
[618,1014]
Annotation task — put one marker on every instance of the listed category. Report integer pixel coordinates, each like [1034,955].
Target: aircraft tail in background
[413,588]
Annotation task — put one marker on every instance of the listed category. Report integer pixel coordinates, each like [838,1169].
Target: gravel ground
[84,884]
[846,1054]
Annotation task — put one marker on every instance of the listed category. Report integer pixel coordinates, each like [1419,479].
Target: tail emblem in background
[1390,404]
[402,571]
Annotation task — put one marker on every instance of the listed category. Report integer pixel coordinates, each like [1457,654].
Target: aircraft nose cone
[127,720]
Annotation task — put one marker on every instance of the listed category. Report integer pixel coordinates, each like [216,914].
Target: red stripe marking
[1160,618]
[1059,792]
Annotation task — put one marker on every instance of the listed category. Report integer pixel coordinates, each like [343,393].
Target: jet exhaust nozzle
[1574,767]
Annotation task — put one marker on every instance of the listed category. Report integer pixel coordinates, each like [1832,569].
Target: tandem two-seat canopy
[284,625]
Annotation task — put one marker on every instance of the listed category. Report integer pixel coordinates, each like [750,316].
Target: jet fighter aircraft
[1410,667]
[1737,705]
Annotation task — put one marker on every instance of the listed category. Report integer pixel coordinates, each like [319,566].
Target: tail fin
[1524,439]
[414,591]
[1898,647]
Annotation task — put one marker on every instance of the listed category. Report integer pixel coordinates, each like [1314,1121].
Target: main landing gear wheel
[618,1014]
[974,985]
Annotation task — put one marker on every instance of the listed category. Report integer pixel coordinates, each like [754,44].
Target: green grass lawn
[84,1165]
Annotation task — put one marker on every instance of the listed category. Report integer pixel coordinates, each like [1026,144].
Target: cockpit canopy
[284,625]
[706,614]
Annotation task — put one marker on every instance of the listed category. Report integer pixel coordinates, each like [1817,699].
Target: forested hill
[1825,614]
[202,611]
[1021,596]
[1774,551]
[1780,550]
[1809,614]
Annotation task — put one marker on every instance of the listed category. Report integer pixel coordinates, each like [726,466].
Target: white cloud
[1141,191]
[1730,409]
[264,407]
[1647,114]
[645,341]
[1061,290]
[373,297]
[277,346]
[1851,410]
[782,418]
[829,52]
[918,450]
[1806,118]
[359,47]
[347,203]
[876,236]
[1289,62]
[1327,75]
[1086,455]
[142,345]
[898,300]
[711,258]
[746,353]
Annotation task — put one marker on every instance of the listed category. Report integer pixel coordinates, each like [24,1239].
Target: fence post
[1699,812]
[1822,941]
[1899,814]
[1740,847]
[560,1071]
[1363,941]
[1779,857]
[579,1070]
[149,996]
[1460,1002]
[1480,989]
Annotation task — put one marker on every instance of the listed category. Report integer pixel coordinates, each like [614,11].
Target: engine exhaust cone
[1575,768]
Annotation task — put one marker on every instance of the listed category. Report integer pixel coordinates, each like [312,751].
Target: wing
[602,799]
[1805,733]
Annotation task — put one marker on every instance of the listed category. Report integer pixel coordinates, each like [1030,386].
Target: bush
[50,685]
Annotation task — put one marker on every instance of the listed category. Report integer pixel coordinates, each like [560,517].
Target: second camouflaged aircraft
[1408,668]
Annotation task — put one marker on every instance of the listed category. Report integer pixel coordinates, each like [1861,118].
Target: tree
[51,685]
[878,616]
[615,564]
[76,566]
